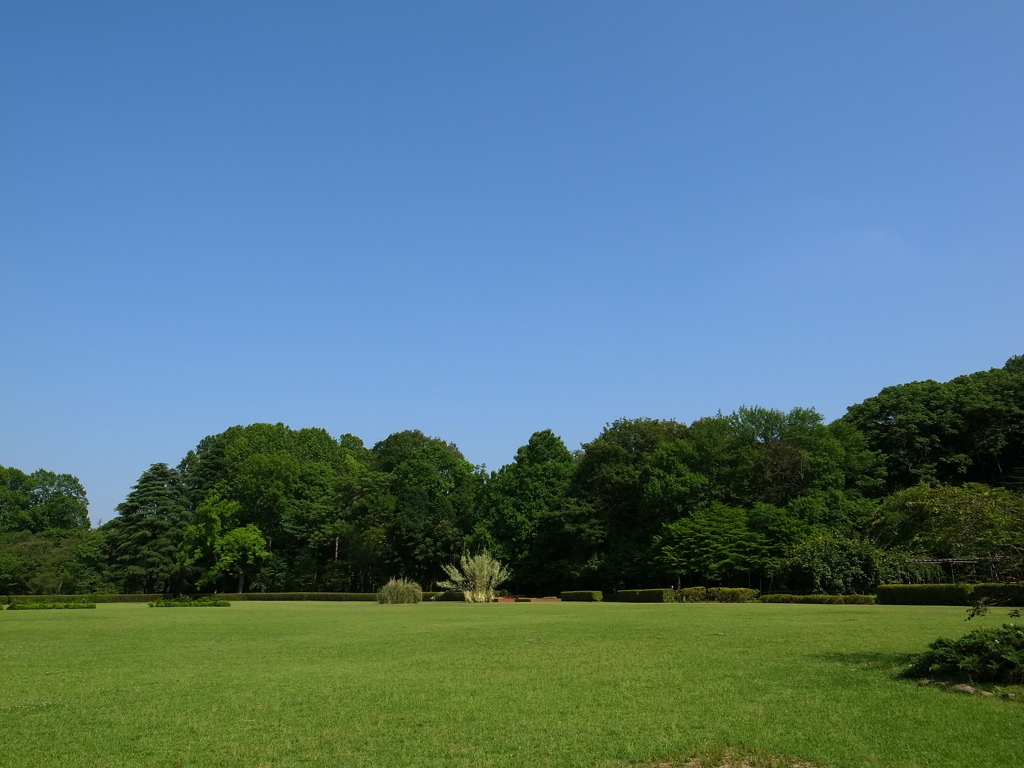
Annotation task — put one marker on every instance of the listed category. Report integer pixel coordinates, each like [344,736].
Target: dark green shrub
[987,655]
[732,595]
[400,592]
[646,595]
[1000,594]
[586,596]
[28,606]
[187,602]
[924,594]
[692,595]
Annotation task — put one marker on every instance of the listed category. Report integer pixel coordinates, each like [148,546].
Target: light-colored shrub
[476,576]
[400,591]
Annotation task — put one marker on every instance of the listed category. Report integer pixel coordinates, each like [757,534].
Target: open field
[451,684]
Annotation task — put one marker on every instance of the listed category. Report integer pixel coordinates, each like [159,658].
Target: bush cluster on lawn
[950,594]
[587,596]
[986,655]
[31,606]
[188,602]
[400,591]
[820,599]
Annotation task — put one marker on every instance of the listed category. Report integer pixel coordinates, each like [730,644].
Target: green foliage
[829,562]
[692,595]
[587,596]
[970,429]
[645,596]
[42,502]
[34,606]
[400,591]
[190,602]
[476,576]
[451,596]
[968,521]
[986,655]
[819,599]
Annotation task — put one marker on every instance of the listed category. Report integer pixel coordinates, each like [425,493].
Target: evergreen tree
[148,531]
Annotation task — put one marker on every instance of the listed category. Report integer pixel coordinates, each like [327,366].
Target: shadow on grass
[882,660]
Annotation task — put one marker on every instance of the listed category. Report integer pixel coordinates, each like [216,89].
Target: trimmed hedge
[951,594]
[646,595]
[581,597]
[732,594]
[366,597]
[717,595]
[820,599]
[80,598]
[187,602]
[27,606]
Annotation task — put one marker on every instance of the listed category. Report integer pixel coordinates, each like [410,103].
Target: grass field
[451,684]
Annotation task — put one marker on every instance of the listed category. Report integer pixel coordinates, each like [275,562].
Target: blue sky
[485,219]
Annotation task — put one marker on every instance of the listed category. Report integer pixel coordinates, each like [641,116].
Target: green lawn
[515,684]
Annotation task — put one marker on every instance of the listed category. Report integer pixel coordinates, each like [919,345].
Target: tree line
[924,481]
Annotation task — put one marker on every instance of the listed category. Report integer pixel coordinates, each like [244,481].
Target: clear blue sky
[485,219]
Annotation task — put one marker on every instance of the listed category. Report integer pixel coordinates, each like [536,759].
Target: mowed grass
[450,684]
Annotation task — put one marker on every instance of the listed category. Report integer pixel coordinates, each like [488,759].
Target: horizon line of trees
[920,479]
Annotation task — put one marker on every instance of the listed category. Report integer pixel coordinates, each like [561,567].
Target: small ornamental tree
[476,577]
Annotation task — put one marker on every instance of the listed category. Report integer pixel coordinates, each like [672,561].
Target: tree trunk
[241,581]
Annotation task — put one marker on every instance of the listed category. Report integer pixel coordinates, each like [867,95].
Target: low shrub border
[820,599]
[646,595]
[366,597]
[99,598]
[187,602]
[587,596]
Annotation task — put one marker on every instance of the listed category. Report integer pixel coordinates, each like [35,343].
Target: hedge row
[951,594]
[582,597]
[12,599]
[187,602]
[28,606]
[646,595]
[820,599]
[366,597]
[717,595]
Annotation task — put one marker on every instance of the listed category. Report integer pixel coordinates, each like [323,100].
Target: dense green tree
[970,429]
[42,501]
[610,480]
[434,492]
[521,495]
[149,530]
